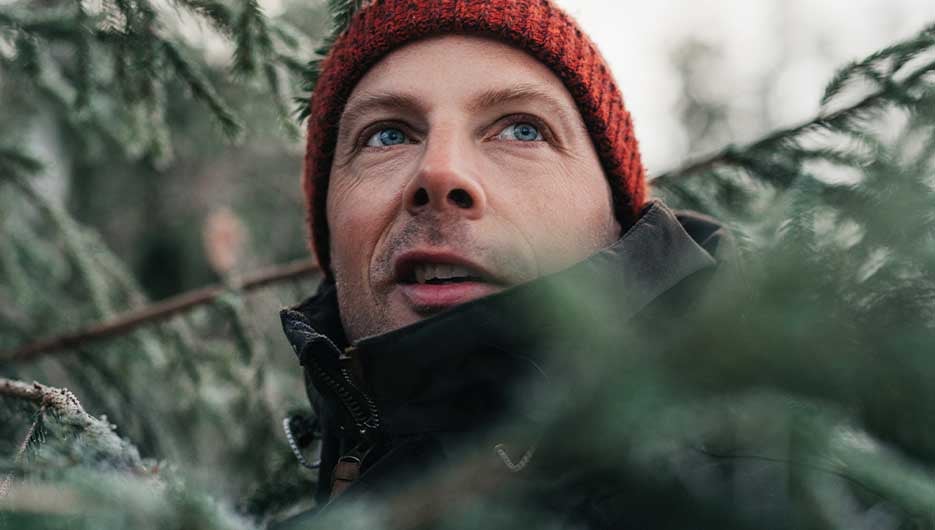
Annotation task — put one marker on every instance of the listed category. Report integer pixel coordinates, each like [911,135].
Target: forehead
[458,69]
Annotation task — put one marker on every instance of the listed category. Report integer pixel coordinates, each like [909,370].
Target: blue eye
[386,137]
[521,131]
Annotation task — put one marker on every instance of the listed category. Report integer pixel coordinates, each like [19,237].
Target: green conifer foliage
[99,74]
[821,359]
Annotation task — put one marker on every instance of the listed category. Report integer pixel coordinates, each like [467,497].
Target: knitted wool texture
[537,27]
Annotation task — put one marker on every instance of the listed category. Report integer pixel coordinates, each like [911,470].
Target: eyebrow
[368,103]
[518,93]
[408,103]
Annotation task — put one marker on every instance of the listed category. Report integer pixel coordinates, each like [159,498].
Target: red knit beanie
[537,27]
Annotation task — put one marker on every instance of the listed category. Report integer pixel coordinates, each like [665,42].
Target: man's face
[462,167]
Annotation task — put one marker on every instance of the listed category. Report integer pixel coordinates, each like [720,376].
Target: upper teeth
[427,271]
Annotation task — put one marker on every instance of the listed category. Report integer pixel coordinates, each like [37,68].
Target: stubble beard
[370,309]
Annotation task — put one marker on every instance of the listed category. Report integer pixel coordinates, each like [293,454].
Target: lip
[428,298]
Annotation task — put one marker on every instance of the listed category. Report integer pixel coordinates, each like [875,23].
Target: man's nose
[446,180]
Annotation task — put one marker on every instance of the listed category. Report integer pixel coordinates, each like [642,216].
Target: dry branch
[169,307]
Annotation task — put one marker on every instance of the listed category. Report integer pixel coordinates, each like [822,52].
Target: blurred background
[699,75]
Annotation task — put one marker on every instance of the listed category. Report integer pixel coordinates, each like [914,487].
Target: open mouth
[430,281]
[440,274]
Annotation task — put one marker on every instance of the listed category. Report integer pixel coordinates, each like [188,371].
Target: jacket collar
[473,349]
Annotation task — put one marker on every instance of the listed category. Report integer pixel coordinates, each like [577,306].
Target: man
[466,163]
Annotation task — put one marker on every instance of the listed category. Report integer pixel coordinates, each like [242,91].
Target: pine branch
[127,322]
[215,12]
[881,65]
[255,51]
[27,55]
[280,99]
[84,74]
[72,239]
[891,92]
[55,25]
[95,434]
[203,90]
[342,12]
[14,162]
[731,155]
[21,450]
[252,39]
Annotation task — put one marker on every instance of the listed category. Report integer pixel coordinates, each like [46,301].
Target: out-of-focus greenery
[117,117]
[167,128]
[152,116]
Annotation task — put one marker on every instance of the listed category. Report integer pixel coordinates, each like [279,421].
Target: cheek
[357,213]
[364,197]
[564,210]
[592,206]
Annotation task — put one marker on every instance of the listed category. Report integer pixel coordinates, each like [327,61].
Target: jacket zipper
[361,407]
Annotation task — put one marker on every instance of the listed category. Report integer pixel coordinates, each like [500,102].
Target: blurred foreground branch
[157,312]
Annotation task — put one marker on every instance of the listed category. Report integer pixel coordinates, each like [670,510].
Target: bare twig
[169,307]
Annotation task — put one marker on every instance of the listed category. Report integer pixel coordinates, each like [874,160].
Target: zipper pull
[347,470]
